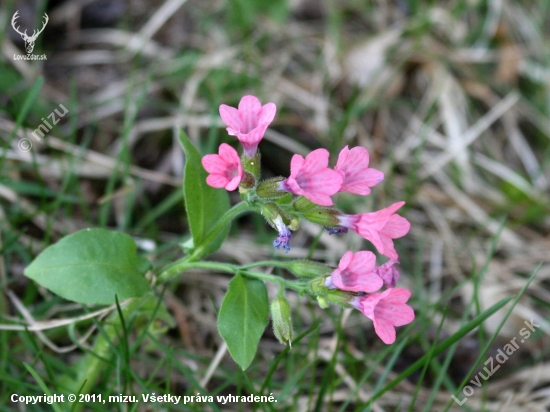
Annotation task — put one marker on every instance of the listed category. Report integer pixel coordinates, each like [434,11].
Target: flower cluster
[313,182]
[358,273]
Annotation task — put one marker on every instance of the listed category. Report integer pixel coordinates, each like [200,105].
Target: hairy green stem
[275,263]
[182,265]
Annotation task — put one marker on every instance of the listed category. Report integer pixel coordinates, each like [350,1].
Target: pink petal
[369,232]
[393,308]
[229,154]
[213,163]
[254,136]
[398,295]
[396,227]
[310,177]
[358,157]
[326,182]
[342,157]
[292,186]
[356,282]
[345,260]
[366,304]
[318,198]
[403,315]
[250,104]
[373,176]
[369,282]
[234,183]
[267,113]
[317,160]
[225,169]
[230,117]
[296,164]
[363,261]
[354,160]
[249,111]
[354,273]
[373,300]
[217,181]
[385,331]
[361,182]
[393,208]
[397,315]
[388,248]
[375,221]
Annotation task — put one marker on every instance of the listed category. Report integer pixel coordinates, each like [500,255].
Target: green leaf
[92,266]
[243,317]
[204,204]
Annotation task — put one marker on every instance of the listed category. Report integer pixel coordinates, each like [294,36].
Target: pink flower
[388,273]
[353,165]
[225,169]
[355,273]
[311,178]
[379,227]
[248,122]
[386,310]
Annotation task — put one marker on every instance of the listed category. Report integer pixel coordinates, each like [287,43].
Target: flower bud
[309,269]
[269,189]
[324,216]
[282,323]
[323,304]
[251,165]
[278,220]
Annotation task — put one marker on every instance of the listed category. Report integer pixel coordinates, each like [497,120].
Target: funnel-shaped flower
[387,310]
[355,273]
[225,169]
[248,122]
[311,178]
[379,227]
[353,165]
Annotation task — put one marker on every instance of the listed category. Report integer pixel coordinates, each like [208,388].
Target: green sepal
[252,165]
[324,216]
[269,189]
[309,269]
[281,319]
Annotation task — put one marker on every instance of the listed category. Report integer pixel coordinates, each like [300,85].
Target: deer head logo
[29,40]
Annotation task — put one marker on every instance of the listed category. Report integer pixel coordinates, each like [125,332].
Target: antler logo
[29,40]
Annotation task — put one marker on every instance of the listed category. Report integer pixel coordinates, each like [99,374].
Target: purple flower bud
[336,230]
[283,240]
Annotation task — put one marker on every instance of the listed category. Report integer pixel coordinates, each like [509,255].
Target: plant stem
[183,265]
[275,263]
[226,219]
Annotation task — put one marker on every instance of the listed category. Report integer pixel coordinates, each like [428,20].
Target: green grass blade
[42,385]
